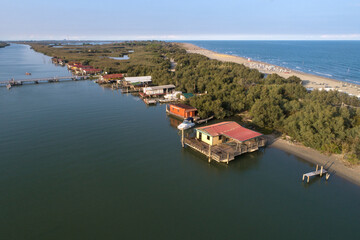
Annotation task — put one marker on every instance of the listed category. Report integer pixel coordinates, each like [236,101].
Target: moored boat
[186,124]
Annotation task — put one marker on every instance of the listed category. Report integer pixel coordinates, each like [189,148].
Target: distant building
[138,80]
[158,90]
[111,77]
[185,96]
[91,71]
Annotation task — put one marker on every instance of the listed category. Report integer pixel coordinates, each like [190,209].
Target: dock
[14,82]
[317,172]
[223,153]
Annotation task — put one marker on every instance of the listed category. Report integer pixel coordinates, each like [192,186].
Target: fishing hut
[224,141]
[156,91]
[111,78]
[181,110]
[135,84]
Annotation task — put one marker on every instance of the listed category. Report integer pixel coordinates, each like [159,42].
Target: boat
[186,124]
[27,73]
[150,101]
[8,86]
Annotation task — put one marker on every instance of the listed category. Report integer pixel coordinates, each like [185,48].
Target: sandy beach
[309,81]
[334,164]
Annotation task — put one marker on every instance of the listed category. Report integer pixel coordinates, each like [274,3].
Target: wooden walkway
[14,82]
[225,152]
[316,173]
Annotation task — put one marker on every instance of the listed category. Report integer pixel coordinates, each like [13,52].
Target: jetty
[14,82]
[317,172]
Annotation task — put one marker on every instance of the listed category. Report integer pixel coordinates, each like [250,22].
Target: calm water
[17,59]
[82,162]
[334,59]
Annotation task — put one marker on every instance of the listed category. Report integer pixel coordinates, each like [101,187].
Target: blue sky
[179,20]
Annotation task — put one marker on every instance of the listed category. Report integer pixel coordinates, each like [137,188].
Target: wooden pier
[14,82]
[317,172]
[223,153]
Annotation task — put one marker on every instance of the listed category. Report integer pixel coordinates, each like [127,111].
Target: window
[208,137]
[220,137]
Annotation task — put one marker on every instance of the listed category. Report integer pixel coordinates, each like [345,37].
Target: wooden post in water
[327,176]
[317,167]
[209,152]
[321,171]
[228,156]
[182,137]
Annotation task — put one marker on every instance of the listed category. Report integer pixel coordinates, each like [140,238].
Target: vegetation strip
[326,121]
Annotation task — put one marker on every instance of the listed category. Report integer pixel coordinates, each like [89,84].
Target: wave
[324,74]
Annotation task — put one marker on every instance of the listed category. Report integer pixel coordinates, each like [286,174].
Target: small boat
[186,124]
[27,73]
[8,86]
[150,101]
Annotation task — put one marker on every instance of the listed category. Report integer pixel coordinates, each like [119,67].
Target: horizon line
[168,40]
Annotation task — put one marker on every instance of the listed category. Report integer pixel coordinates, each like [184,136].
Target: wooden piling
[327,176]
[321,171]
[182,138]
[209,152]
[228,156]
[317,167]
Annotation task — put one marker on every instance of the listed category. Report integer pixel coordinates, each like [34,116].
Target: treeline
[319,119]
[326,121]
[3,44]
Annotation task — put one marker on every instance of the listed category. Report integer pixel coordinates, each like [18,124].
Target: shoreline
[309,81]
[333,163]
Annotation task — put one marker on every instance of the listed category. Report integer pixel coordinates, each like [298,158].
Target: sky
[180,20]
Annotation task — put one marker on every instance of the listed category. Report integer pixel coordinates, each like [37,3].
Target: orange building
[181,110]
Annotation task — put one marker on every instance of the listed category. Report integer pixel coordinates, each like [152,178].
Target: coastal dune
[309,81]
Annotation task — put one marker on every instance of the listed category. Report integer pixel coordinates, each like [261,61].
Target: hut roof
[160,87]
[110,76]
[230,129]
[183,106]
[138,79]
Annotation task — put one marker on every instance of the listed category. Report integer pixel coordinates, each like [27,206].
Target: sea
[79,161]
[332,59]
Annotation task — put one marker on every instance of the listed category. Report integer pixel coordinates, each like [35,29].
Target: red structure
[91,71]
[231,130]
[110,77]
[181,110]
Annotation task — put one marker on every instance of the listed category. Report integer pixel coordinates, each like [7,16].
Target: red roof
[183,106]
[108,76]
[230,129]
[91,70]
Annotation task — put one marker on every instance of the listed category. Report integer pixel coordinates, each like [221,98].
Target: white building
[159,90]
